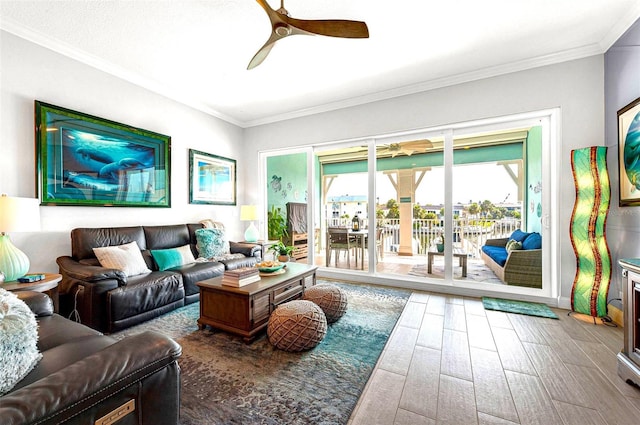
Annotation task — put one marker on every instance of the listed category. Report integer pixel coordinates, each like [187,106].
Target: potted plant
[276,224]
[440,244]
[281,251]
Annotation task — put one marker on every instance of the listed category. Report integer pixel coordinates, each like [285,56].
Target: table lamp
[250,213]
[16,215]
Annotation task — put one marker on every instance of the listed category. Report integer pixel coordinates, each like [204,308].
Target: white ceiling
[197,51]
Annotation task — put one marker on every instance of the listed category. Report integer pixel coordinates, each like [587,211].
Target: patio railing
[469,234]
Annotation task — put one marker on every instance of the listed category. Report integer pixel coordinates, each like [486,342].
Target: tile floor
[450,361]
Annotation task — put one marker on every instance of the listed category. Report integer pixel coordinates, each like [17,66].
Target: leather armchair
[84,375]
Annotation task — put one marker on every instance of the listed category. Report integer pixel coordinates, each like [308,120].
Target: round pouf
[297,326]
[331,299]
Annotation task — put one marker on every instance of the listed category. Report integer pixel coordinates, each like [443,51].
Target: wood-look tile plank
[430,334]
[565,347]
[420,393]
[456,360]
[492,391]
[574,327]
[455,299]
[474,306]
[555,376]
[396,356]
[578,415]
[498,319]
[512,353]
[412,315]
[484,419]
[435,305]
[404,417]
[455,318]
[526,328]
[379,402]
[456,403]
[419,297]
[611,336]
[532,401]
[604,397]
[479,332]
[607,362]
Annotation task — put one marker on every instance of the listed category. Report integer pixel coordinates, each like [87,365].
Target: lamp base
[251,234]
[13,262]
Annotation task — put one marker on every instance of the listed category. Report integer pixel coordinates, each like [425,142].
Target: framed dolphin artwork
[90,161]
[629,153]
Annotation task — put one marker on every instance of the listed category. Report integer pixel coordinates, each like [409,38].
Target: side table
[264,244]
[49,285]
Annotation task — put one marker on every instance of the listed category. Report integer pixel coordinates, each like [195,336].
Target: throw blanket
[18,339]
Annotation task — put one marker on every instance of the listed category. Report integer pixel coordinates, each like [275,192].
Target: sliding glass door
[422,207]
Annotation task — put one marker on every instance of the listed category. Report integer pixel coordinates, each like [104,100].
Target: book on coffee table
[237,282]
[240,277]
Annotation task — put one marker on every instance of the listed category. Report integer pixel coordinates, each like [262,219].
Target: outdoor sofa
[519,267]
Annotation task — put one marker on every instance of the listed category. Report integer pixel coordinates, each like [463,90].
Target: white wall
[577,87]
[30,72]
[622,86]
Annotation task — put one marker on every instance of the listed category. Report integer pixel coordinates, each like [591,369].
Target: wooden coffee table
[245,311]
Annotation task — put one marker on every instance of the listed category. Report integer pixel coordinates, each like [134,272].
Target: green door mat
[519,307]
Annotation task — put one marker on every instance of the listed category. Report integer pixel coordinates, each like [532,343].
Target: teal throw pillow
[174,257]
[211,243]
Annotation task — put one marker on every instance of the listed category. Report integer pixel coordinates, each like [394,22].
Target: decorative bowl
[270,268]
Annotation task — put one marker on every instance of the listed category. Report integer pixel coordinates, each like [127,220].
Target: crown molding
[81,56]
[523,65]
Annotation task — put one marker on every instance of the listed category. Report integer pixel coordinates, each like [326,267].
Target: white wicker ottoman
[331,299]
[297,326]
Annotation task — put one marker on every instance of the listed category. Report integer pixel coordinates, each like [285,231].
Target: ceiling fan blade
[261,55]
[330,27]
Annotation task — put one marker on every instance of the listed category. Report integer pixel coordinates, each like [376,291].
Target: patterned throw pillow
[515,246]
[211,243]
[173,257]
[18,340]
[127,258]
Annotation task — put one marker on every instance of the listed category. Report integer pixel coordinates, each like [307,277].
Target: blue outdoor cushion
[533,241]
[518,235]
[496,253]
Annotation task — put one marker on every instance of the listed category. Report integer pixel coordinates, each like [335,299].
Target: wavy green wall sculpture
[588,231]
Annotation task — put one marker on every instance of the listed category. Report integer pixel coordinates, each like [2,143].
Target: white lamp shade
[248,213]
[19,214]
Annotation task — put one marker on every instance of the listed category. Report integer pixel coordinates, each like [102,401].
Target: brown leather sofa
[84,376]
[108,300]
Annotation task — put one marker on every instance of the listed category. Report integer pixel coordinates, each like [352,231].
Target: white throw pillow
[18,340]
[127,258]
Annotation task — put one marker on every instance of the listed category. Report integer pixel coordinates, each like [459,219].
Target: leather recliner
[84,376]
[108,300]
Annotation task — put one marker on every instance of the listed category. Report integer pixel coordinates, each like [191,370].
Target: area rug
[225,381]
[475,272]
[519,307]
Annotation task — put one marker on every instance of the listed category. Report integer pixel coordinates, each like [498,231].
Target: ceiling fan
[407,148]
[282,25]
